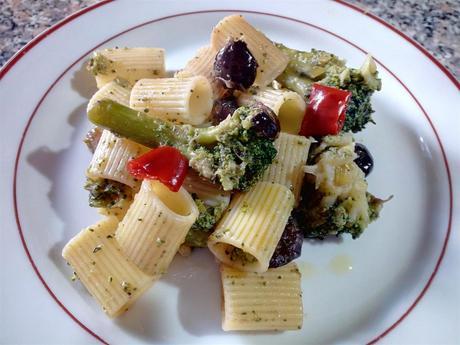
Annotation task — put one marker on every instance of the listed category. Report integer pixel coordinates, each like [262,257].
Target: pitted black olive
[266,124]
[364,159]
[223,108]
[289,246]
[235,66]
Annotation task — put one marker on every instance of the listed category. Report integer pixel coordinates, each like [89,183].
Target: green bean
[138,126]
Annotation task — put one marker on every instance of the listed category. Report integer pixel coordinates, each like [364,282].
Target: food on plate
[249,231]
[288,105]
[235,66]
[271,61]
[245,151]
[246,296]
[317,66]
[234,153]
[131,64]
[335,199]
[158,218]
[364,159]
[289,246]
[187,100]
[101,266]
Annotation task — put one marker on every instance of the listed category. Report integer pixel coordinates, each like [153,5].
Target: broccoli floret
[106,193]
[319,222]
[208,217]
[335,199]
[316,66]
[235,153]
[359,108]
[261,154]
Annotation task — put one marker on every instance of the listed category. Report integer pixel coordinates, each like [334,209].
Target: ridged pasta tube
[288,166]
[116,90]
[111,157]
[201,64]
[288,105]
[248,233]
[262,301]
[118,210]
[113,280]
[131,64]
[187,100]
[271,60]
[155,226]
[113,153]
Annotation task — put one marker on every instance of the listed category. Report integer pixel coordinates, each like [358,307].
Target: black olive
[266,124]
[289,246]
[235,66]
[364,159]
[223,108]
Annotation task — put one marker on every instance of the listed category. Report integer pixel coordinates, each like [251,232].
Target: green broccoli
[316,66]
[204,224]
[106,193]
[359,108]
[235,153]
[334,195]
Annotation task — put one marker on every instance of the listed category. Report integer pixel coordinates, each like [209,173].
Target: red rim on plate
[49,31]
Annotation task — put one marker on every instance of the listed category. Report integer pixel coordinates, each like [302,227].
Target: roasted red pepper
[165,164]
[325,114]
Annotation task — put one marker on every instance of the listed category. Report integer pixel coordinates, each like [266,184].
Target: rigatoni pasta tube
[288,105]
[109,276]
[288,166]
[247,235]
[187,100]
[262,301]
[116,90]
[113,153]
[111,157]
[155,226]
[118,210]
[201,64]
[131,64]
[271,60]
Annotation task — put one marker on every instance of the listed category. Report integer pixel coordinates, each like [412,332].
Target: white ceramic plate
[401,278]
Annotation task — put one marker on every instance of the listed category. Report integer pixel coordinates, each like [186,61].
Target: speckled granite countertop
[433,23]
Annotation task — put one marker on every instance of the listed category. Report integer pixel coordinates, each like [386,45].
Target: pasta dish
[245,151]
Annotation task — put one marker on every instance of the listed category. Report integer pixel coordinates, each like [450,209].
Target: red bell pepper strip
[325,114]
[165,164]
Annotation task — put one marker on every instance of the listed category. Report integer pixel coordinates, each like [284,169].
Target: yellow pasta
[270,59]
[155,226]
[247,235]
[113,280]
[288,105]
[118,210]
[131,64]
[111,157]
[288,166]
[116,90]
[187,100]
[113,153]
[262,301]
[201,64]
